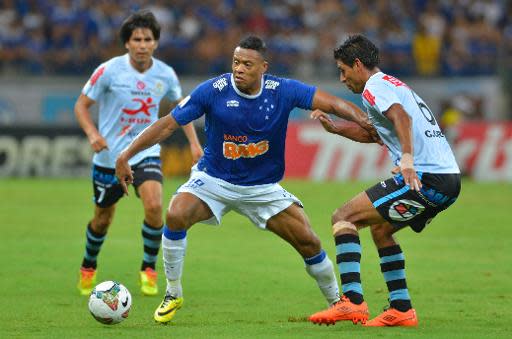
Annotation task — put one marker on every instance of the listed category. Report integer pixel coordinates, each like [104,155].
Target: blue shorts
[108,190]
[402,207]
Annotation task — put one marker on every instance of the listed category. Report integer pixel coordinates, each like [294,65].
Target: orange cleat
[393,317]
[342,310]
[86,281]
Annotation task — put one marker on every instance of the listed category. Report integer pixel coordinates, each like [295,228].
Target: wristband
[407,161]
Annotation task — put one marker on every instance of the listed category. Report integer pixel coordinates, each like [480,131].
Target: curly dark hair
[254,43]
[358,47]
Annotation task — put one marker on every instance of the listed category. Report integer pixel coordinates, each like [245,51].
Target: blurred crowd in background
[416,37]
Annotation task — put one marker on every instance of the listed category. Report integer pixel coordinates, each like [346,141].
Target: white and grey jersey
[432,153]
[128,103]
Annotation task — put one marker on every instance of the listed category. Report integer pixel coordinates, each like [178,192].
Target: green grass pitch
[240,282]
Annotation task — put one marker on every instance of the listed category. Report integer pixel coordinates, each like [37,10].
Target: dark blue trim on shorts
[400,179]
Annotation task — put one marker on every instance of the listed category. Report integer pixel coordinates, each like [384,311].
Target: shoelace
[167,299]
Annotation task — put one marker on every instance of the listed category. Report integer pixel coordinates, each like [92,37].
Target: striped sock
[152,238]
[392,265]
[348,258]
[174,245]
[93,242]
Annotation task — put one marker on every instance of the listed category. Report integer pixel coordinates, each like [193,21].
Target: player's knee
[101,223]
[381,233]
[343,227]
[177,220]
[153,209]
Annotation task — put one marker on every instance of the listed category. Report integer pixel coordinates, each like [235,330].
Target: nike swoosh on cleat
[168,311]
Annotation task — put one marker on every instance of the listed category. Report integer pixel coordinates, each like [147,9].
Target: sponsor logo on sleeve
[97,75]
[369,97]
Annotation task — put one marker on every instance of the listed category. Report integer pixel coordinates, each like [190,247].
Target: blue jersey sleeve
[300,94]
[193,106]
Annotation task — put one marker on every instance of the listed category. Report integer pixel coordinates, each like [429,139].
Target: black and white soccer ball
[110,302]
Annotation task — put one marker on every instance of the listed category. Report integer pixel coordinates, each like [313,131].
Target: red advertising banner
[483,151]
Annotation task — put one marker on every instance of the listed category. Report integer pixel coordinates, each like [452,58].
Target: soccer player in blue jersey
[426,182]
[246,117]
[132,91]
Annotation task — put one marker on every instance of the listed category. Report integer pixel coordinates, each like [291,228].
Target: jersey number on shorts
[102,194]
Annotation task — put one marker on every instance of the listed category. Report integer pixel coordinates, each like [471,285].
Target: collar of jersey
[243,94]
[127,58]
[375,75]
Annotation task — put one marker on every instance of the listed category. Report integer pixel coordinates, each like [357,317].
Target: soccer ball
[110,302]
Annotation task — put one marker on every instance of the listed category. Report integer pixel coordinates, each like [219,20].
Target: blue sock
[348,258]
[392,265]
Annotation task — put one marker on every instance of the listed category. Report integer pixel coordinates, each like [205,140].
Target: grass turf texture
[240,282]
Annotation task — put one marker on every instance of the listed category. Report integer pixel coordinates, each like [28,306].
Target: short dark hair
[358,47]
[140,19]
[254,43]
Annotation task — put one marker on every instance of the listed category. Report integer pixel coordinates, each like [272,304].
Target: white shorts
[258,203]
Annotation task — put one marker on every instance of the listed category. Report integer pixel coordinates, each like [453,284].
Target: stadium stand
[420,37]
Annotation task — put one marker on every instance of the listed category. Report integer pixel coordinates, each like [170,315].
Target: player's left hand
[197,153]
[124,173]
[409,173]
[368,126]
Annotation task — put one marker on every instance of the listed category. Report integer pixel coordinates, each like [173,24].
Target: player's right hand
[98,143]
[327,123]
[124,172]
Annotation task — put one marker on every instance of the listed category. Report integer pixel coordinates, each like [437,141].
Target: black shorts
[402,207]
[108,190]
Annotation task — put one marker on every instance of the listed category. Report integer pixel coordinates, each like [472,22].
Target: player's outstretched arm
[83,115]
[343,109]
[403,126]
[166,106]
[193,140]
[347,129]
[153,134]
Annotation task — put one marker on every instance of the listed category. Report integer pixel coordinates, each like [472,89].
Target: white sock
[323,273]
[174,255]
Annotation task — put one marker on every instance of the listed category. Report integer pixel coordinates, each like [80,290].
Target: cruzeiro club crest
[403,210]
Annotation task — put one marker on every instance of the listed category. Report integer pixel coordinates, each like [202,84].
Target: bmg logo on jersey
[235,151]
[271,84]
[220,84]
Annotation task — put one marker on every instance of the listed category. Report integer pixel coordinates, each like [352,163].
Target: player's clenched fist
[98,143]
[124,172]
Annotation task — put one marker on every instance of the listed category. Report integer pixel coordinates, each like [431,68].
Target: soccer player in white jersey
[132,91]
[246,114]
[426,182]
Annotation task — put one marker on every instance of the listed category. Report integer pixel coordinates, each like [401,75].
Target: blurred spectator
[69,36]
[426,51]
